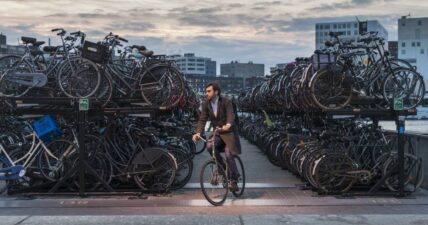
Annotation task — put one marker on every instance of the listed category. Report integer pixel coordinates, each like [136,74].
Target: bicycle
[214,179]
[20,164]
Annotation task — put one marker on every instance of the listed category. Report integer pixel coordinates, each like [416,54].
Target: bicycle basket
[47,129]
[95,52]
[322,60]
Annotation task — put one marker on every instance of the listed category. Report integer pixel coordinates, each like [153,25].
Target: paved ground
[273,196]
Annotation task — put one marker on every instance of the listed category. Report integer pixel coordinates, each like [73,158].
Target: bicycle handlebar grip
[76,33]
[122,39]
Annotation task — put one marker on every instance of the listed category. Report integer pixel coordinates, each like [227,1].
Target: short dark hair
[215,86]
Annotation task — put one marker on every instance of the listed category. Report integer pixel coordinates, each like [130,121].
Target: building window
[403,44]
[191,60]
[321,27]
[418,44]
[327,27]
[348,25]
[355,32]
[422,51]
[403,24]
[413,44]
[335,26]
[349,32]
[355,25]
[418,33]
[403,51]
[190,68]
[419,22]
[317,26]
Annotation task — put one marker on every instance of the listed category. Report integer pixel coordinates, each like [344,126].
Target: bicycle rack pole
[400,142]
[81,118]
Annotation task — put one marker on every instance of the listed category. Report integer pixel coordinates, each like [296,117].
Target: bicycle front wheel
[213,182]
[404,84]
[79,77]
[331,89]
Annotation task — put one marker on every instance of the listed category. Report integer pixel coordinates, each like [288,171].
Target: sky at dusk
[268,32]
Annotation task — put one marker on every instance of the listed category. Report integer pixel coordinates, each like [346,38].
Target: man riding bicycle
[221,112]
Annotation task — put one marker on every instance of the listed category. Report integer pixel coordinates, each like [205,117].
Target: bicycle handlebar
[115,36]
[61,33]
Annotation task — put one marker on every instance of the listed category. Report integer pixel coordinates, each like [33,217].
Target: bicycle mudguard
[29,79]
[12,173]
[148,155]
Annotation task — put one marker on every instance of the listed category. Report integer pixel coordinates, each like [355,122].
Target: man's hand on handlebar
[226,127]
[196,137]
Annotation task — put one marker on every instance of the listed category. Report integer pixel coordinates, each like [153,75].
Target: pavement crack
[21,221]
[241,221]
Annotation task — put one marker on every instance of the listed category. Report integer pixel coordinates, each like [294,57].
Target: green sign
[398,104]
[84,104]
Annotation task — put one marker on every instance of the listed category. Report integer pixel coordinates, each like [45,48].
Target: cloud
[130,26]
[257,30]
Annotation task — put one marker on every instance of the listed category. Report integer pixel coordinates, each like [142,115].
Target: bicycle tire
[326,80]
[69,78]
[217,180]
[241,179]
[10,89]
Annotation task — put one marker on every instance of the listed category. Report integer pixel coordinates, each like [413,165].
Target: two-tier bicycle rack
[70,106]
[375,115]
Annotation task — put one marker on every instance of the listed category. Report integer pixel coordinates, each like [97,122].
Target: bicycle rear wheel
[241,179]
[159,174]
[11,84]
[332,173]
[413,172]
[213,182]
[161,85]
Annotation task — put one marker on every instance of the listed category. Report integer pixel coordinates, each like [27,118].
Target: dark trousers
[220,146]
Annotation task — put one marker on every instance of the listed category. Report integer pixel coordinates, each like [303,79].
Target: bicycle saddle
[28,40]
[38,43]
[50,48]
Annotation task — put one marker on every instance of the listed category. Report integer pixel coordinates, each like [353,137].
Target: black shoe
[233,186]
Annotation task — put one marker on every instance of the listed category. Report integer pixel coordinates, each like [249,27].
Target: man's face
[210,93]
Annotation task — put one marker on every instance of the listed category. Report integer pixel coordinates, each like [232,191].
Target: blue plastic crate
[47,129]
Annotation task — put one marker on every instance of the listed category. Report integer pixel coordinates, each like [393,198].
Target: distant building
[6,49]
[191,64]
[227,84]
[11,50]
[2,39]
[393,48]
[349,31]
[251,82]
[237,69]
[413,43]
[277,69]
